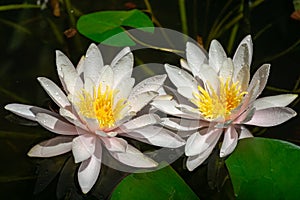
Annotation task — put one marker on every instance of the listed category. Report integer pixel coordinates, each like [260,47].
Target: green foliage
[108,27]
[160,185]
[263,168]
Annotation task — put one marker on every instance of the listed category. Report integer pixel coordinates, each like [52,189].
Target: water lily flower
[98,104]
[214,97]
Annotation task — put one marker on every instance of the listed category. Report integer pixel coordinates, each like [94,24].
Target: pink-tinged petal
[53,147]
[199,142]
[196,56]
[229,141]
[93,63]
[196,160]
[245,116]
[27,111]
[181,124]
[115,144]
[62,61]
[54,92]
[83,147]
[56,125]
[152,83]
[133,157]
[243,54]
[226,70]
[260,77]
[182,79]
[157,136]
[137,102]
[244,133]
[274,101]
[141,121]
[216,55]
[271,116]
[89,170]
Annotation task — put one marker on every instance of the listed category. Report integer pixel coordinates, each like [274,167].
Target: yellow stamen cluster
[101,106]
[219,104]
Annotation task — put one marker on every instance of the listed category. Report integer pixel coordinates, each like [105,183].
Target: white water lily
[216,98]
[99,103]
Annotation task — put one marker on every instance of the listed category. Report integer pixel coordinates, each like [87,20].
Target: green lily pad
[263,168]
[159,185]
[107,27]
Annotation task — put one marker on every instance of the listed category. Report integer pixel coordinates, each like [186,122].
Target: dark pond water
[29,38]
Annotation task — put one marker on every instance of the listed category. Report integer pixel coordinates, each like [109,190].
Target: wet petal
[271,116]
[152,83]
[124,89]
[168,107]
[243,54]
[198,143]
[83,147]
[141,121]
[54,92]
[27,111]
[89,170]
[274,101]
[226,71]
[182,124]
[56,125]
[216,55]
[210,77]
[61,61]
[133,157]
[260,77]
[195,57]
[244,133]
[182,79]
[137,102]
[93,63]
[53,147]
[229,141]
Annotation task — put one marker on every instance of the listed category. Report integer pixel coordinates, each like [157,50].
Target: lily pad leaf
[160,185]
[108,27]
[262,168]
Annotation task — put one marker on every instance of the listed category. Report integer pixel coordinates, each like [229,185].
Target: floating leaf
[108,26]
[160,185]
[263,168]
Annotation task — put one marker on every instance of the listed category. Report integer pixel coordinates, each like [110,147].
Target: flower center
[101,106]
[213,105]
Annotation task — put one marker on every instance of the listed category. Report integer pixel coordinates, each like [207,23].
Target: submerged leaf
[263,168]
[108,26]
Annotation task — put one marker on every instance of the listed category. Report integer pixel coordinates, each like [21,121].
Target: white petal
[93,63]
[133,157]
[53,147]
[54,92]
[62,61]
[68,115]
[196,56]
[243,54]
[89,170]
[210,77]
[182,79]
[198,143]
[106,77]
[137,102]
[27,111]
[229,141]
[185,65]
[245,133]
[157,136]
[80,66]
[124,89]
[152,83]
[182,124]
[83,147]
[56,125]
[274,101]
[271,116]
[243,76]
[226,70]
[216,55]
[123,53]
[261,77]
[115,144]
[141,121]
